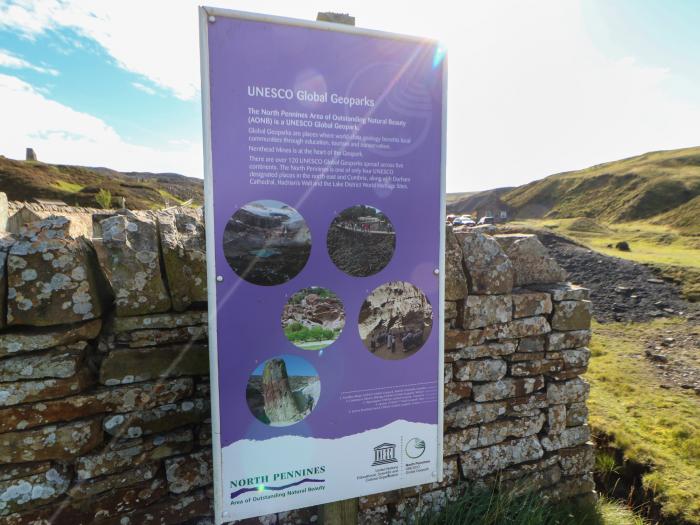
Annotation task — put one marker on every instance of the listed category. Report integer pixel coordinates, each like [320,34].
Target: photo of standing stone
[361,240]
[283,390]
[395,320]
[313,318]
[267,242]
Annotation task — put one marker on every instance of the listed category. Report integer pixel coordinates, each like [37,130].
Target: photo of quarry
[267,242]
[395,320]
[283,390]
[361,240]
[313,318]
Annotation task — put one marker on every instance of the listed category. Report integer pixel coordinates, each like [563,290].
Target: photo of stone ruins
[279,396]
[395,320]
[361,241]
[267,242]
[313,318]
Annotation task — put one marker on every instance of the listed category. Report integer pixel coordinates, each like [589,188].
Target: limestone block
[571,391]
[578,460]
[455,339]
[477,463]
[530,260]
[184,255]
[576,358]
[450,310]
[576,414]
[529,304]
[128,252]
[30,391]
[141,397]
[33,491]
[532,344]
[485,350]
[480,370]
[572,315]
[189,472]
[455,279]
[159,321]
[456,391]
[143,338]
[6,243]
[556,419]
[535,367]
[526,406]
[23,470]
[568,488]
[563,291]
[526,327]
[157,420]
[485,310]
[4,212]
[460,441]
[48,337]
[567,438]
[61,442]
[143,364]
[131,453]
[500,430]
[51,277]
[506,388]
[568,340]
[91,487]
[488,268]
[466,414]
[61,363]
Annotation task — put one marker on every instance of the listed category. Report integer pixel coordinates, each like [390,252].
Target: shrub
[104,198]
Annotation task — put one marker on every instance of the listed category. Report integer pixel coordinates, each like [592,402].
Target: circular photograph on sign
[395,320]
[313,318]
[361,240]
[283,390]
[267,242]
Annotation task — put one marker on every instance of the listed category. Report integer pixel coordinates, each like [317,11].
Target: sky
[535,86]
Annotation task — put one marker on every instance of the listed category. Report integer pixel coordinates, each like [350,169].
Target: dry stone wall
[104,391]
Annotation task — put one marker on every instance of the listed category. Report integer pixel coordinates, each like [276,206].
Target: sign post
[324,183]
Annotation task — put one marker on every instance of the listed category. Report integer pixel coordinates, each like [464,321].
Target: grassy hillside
[662,187]
[77,185]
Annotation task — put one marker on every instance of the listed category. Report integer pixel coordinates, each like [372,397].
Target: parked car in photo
[487,220]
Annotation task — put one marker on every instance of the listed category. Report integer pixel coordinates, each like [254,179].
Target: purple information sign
[324,181]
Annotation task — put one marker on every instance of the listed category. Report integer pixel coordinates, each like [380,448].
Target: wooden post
[339,512]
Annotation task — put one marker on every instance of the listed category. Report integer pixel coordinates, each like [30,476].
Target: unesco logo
[384,454]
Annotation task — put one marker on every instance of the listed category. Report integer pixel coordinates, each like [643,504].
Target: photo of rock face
[395,320]
[283,390]
[313,318]
[361,241]
[267,242]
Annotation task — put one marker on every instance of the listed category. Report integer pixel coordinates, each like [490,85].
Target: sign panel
[324,182]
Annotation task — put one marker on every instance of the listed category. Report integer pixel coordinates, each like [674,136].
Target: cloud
[130,31]
[145,89]
[12,61]
[60,134]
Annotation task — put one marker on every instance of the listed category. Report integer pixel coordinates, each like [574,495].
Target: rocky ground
[625,291]
[621,290]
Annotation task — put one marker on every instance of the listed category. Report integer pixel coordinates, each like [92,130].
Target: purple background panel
[403,76]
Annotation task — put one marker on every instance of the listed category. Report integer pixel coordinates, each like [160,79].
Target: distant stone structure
[30,154]
[104,390]
[337,18]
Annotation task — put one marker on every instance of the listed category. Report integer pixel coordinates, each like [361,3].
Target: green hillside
[662,187]
[77,185]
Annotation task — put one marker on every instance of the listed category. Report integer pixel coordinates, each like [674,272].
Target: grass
[677,255]
[298,333]
[652,426]
[69,187]
[501,507]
